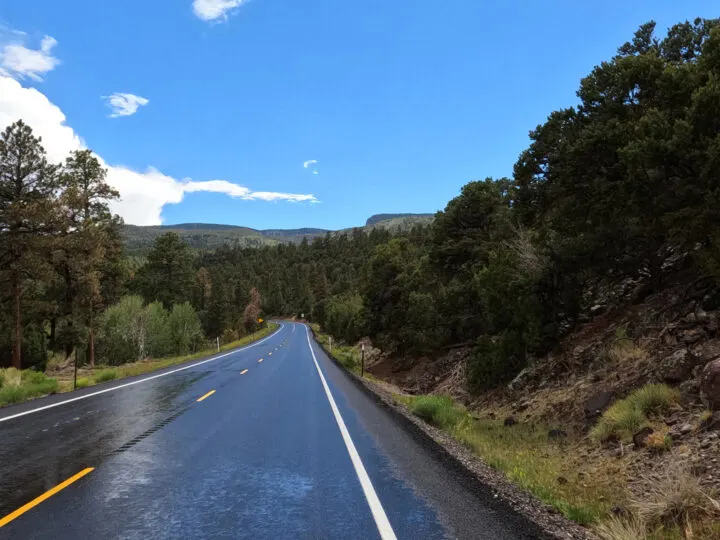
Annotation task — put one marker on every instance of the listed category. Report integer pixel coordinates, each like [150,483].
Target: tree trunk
[91,341]
[17,342]
[53,332]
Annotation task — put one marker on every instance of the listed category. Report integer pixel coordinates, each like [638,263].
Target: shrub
[621,420]
[185,329]
[654,398]
[32,377]
[82,382]
[105,375]
[439,411]
[124,331]
[659,441]
[159,342]
[628,415]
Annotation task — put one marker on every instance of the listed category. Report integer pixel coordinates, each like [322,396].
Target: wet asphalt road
[264,456]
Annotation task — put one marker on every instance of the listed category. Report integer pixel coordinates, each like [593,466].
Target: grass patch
[528,458]
[618,528]
[83,382]
[105,375]
[439,411]
[17,386]
[626,416]
[349,357]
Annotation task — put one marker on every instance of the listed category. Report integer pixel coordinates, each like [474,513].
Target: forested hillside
[203,236]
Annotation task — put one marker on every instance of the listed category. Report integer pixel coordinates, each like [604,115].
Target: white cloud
[312,165]
[124,104]
[210,10]
[143,194]
[19,62]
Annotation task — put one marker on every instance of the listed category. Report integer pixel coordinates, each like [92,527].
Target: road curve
[269,441]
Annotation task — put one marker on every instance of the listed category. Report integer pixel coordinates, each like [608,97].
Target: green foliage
[159,338]
[439,411]
[343,317]
[131,331]
[17,386]
[627,416]
[123,335]
[105,375]
[168,275]
[185,330]
[83,382]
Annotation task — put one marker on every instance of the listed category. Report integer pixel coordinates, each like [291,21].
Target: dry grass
[659,441]
[10,377]
[624,350]
[619,528]
[675,497]
[530,459]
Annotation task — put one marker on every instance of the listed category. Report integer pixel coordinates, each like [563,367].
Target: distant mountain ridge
[139,239]
[377,218]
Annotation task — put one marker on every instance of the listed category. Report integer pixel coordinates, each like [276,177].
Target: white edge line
[195,364]
[381,519]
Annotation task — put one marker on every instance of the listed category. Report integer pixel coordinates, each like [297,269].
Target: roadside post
[75,373]
[362,360]
[330,344]
[218,343]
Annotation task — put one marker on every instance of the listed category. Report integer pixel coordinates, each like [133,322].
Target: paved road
[286,447]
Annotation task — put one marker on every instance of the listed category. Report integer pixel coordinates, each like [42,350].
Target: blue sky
[401,102]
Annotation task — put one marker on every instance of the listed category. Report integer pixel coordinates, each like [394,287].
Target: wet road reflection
[40,450]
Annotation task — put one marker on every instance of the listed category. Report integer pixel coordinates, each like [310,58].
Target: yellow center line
[210,393]
[32,504]
[243,372]
[260,360]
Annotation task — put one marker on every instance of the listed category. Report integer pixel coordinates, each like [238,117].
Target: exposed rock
[598,403]
[710,385]
[713,423]
[597,309]
[557,434]
[640,438]
[686,429]
[510,421]
[521,380]
[692,336]
[523,405]
[677,366]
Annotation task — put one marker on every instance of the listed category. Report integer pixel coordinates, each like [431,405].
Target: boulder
[510,421]
[710,385]
[640,438]
[677,366]
[598,403]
